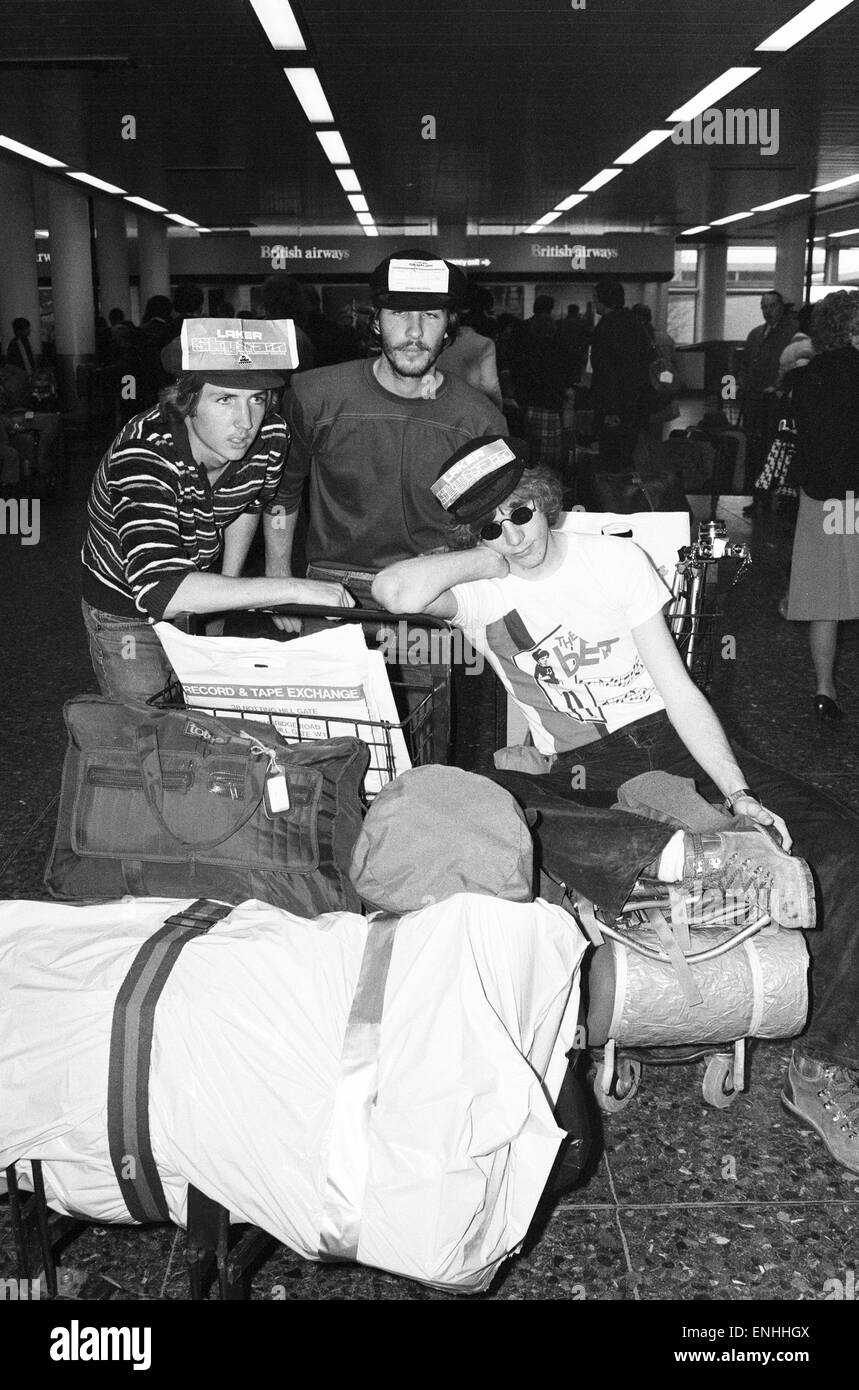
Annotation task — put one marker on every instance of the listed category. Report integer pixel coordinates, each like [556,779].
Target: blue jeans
[127,657]
[825,834]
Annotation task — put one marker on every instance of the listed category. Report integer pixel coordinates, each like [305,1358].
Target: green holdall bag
[174,803]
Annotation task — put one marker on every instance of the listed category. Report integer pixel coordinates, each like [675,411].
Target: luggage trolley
[692,614]
[693,618]
[421,691]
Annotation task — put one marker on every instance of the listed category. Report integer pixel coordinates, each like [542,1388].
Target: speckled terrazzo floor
[684,1202]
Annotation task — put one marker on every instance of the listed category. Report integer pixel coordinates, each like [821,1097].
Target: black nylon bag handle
[149,762]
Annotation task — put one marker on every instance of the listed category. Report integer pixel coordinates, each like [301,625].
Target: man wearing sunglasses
[581,615]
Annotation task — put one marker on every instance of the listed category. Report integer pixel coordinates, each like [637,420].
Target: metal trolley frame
[693,616]
[421,690]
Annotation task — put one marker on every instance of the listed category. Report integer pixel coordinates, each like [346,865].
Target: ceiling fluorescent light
[183,221]
[603,177]
[358,202]
[643,146]
[836,183]
[97,183]
[801,25]
[734,217]
[280,25]
[366,219]
[371,231]
[42,233]
[29,153]
[332,143]
[704,227]
[546,219]
[713,92]
[307,87]
[781,202]
[145,203]
[851,231]
[571,202]
[349,181]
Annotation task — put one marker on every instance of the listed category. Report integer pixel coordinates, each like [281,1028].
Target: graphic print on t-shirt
[600,684]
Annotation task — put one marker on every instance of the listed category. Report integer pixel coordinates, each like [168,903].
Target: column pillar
[790,255]
[655,295]
[712,287]
[111,256]
[71,285]
[19,287]
[830,265]
[152,258]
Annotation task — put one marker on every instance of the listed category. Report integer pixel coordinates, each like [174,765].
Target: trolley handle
[352,615]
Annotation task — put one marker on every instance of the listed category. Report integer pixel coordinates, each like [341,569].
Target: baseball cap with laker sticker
[416,280]
[246,353]
[480,476]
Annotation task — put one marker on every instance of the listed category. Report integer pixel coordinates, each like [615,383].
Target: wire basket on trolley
[421,692]
[694,615]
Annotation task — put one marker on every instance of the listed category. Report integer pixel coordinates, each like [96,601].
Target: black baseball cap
[480,476]
[412,279]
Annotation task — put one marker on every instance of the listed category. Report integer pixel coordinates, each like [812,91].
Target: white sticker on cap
[244,345]
[418,277]
[463,475]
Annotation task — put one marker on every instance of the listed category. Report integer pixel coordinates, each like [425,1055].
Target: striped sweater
[154,517]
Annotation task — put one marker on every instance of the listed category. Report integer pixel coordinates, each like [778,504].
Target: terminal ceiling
[530,99]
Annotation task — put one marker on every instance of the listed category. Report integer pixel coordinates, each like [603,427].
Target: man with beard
[371,435]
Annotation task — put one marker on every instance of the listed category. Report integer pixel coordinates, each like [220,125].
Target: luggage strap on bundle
[131,1054]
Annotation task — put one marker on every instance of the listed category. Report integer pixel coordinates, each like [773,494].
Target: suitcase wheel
[614,1087]
[718,1084]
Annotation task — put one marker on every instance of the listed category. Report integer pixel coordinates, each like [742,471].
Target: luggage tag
[275,792]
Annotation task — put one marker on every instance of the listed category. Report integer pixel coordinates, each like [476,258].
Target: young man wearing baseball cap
[181,488]
[371,435]
[573,625]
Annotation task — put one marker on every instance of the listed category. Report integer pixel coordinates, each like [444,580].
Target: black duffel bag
[175,803]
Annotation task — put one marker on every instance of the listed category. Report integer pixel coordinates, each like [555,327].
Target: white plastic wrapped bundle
[758,989]
[432,1170]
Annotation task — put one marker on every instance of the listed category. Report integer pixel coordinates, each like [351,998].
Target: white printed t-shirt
[563,645]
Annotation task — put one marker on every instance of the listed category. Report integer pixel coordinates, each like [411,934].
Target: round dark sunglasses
[520,516]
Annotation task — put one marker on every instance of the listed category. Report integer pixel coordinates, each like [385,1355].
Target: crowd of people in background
[602,375]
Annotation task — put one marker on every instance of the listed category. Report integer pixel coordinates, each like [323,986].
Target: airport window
[751,270]
[742,314]
[681,316]
[848,263]
[682,295]
[685,266]
[751,265]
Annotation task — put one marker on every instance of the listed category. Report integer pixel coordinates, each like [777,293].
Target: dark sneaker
[748,864]
[827,1098]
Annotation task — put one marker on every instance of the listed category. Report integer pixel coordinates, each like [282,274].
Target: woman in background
[824,581]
